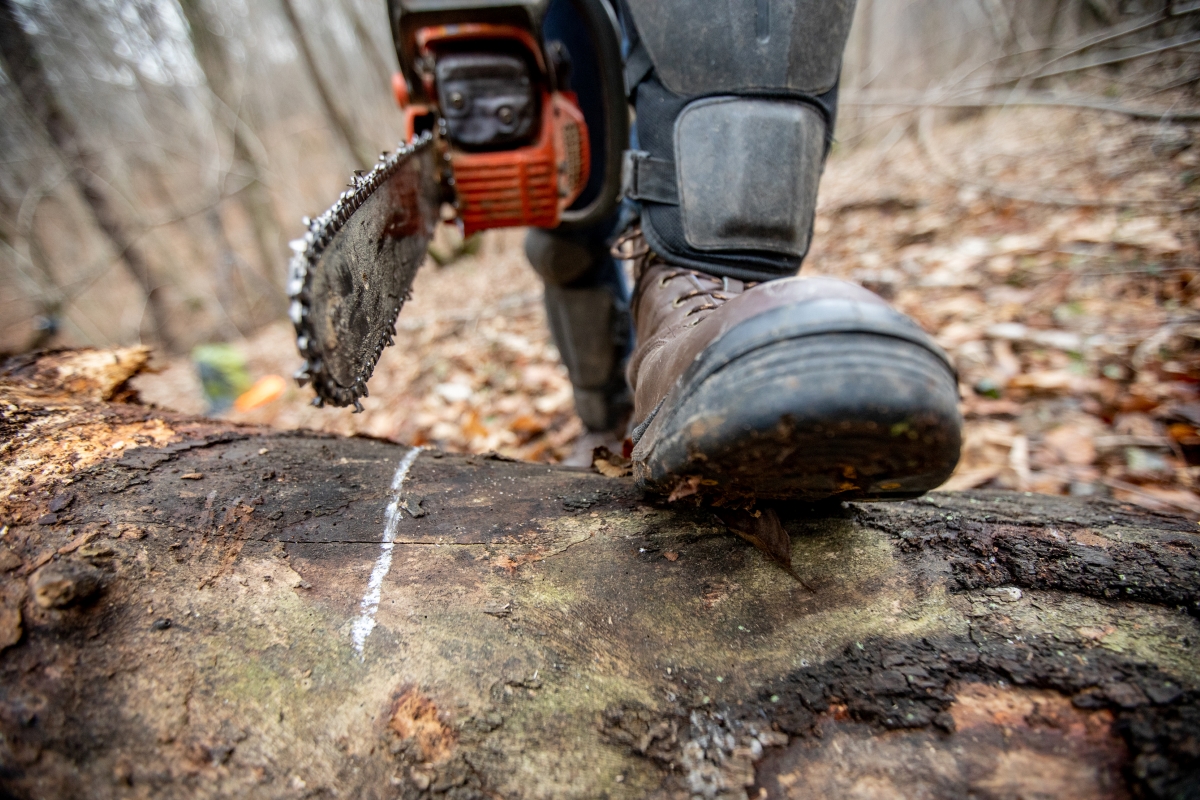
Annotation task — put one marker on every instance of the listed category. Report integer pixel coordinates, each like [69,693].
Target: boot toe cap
[845,400]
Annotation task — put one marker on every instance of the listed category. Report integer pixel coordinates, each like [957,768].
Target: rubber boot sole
[831,398]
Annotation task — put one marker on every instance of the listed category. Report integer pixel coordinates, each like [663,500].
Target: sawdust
[416,717]
[61,444]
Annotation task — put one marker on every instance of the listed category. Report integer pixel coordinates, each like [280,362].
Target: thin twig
[1111,34]
[998,100]
[1131,488]
[1154,48]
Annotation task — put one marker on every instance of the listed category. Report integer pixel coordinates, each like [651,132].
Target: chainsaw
[493,137]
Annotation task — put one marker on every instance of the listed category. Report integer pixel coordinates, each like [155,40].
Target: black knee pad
[735,110]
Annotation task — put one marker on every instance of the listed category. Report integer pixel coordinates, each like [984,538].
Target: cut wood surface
[193,609]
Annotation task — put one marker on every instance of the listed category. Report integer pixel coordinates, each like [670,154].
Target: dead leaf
[473,427]
[1136,425]
[1006,360]
[983,407]
[1018,471]
[685,488]
[763,529]
[1072,444]
[970,479]
[671,555]
[609,464]
[1155,498]
[527,424]
[1054,382]
[1148,234]
[267,389]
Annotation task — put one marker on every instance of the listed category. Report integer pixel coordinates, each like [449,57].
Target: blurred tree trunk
[50,303]
[213,58]
[37,93]
[342,127]
[47,295]
[256,199]
[369,51]
[201,244]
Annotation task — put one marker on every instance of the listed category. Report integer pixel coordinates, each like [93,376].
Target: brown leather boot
[794,389]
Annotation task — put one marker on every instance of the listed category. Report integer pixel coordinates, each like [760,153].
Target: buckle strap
[637,67]
[646,178]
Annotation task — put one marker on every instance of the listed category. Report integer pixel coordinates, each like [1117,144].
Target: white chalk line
[365,622]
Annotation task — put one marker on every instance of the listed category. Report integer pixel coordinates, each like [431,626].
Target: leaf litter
[1073,320]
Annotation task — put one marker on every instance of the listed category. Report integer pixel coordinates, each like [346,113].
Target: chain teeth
[306,251]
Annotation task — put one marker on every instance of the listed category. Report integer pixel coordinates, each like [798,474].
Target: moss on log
[193,609]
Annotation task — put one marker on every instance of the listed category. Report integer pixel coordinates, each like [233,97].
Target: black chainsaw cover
[487,99]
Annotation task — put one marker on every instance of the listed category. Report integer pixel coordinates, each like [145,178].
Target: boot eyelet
[677,302]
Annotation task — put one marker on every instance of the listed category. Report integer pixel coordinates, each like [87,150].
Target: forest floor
[1054,255]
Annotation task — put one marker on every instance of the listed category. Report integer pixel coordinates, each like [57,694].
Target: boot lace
[716,297]
[632,246]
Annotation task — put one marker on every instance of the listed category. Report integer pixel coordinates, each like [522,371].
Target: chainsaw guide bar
[352,270]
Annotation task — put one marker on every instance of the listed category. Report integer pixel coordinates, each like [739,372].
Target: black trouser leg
[587,309]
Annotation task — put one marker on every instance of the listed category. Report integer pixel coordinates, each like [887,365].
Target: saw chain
[307,252]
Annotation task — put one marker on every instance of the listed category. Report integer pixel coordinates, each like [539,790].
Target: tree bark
[343,128]
[197,609]
[37,93]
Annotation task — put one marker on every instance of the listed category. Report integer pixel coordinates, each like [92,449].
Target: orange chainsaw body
[523,186]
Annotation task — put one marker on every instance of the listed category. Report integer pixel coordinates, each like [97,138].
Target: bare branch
[342,126]
[935,99]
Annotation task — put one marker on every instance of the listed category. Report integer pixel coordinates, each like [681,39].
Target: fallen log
[195,609]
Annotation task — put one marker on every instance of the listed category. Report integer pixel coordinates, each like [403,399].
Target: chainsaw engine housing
[496,88]
[518,148]
[487,99]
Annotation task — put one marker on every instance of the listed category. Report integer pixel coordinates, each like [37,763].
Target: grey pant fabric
[587,310]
